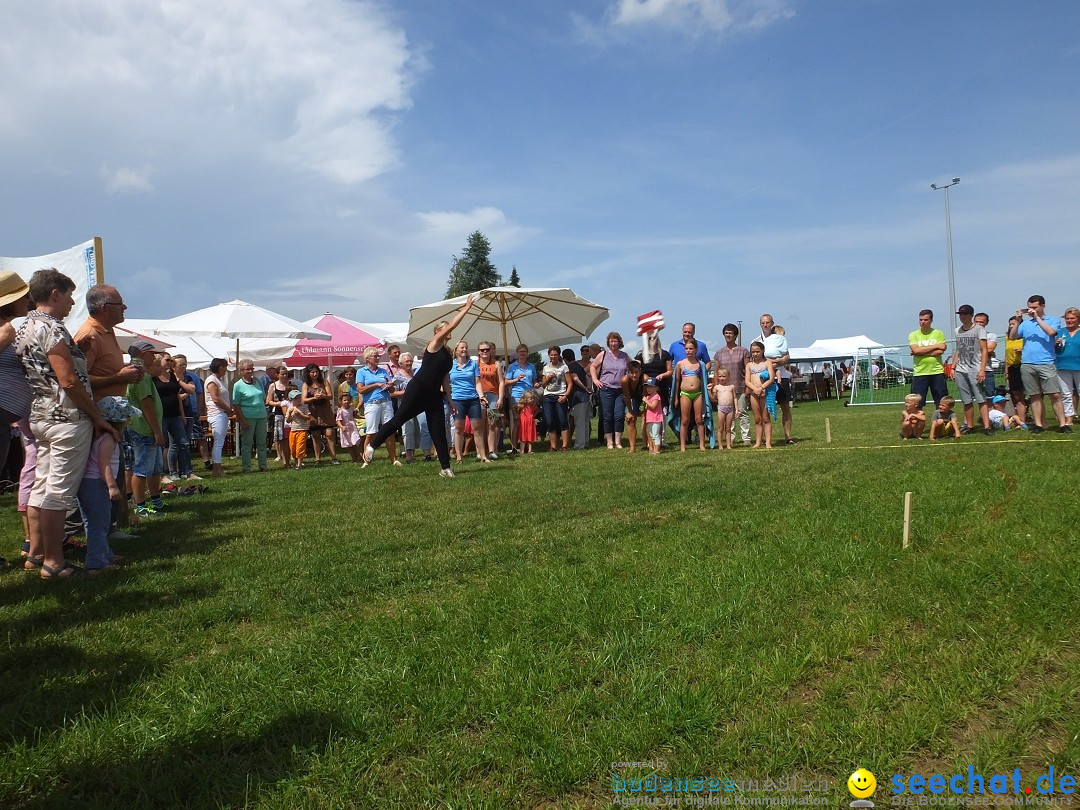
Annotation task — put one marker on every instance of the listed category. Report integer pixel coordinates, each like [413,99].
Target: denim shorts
[148,461]
[468,407]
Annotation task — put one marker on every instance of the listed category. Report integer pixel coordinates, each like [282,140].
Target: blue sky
[714,159]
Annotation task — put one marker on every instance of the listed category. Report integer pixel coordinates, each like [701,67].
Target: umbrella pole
[236,424]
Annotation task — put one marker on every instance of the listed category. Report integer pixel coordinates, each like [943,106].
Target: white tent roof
[837,348]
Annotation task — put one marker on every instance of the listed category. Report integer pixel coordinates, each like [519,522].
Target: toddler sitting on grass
[999,420]
[944,420]
[912,418]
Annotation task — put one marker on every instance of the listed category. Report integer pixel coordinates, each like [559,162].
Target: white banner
[83,264]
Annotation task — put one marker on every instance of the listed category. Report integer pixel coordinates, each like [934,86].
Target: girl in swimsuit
[724,395]
[688,382]
[760,377]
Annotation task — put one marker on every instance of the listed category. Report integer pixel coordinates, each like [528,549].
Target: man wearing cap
[1037,360]
[145,432]
[969,372]
[927,344]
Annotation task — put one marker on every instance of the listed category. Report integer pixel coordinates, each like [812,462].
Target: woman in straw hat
[14,389]
[15,393]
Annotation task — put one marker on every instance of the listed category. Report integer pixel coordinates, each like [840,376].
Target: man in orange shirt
[109,375]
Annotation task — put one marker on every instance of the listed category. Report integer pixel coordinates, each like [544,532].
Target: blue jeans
[613,407]
[175,428]
[96,511]
[555,414]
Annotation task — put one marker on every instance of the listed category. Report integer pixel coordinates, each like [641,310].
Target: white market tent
[837,349]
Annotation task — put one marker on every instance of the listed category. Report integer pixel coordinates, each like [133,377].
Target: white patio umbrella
[536,316]
[238,320]
[125,336]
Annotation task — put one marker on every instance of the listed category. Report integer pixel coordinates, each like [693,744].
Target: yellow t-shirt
[1012,351]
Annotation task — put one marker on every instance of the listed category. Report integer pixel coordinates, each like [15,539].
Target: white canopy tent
[834,349]
[200,351]
[837,348]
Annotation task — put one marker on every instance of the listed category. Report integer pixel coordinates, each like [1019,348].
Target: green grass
[386,638]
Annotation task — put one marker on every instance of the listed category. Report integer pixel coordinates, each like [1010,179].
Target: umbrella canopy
[236,320]
[347,342]
[200,351]
[535,316]
[125,336]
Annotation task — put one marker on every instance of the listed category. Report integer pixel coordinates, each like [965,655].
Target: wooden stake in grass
[907,519]
[828,431]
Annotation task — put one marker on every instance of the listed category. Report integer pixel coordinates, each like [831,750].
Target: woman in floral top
[63,418]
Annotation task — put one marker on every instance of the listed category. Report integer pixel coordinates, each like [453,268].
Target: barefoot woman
[426,393]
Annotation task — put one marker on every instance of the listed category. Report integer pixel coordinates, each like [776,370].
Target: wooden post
[907,519]
[99,261]
[828,431]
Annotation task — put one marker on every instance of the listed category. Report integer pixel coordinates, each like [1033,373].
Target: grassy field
[338,637]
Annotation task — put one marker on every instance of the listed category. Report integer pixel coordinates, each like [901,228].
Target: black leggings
[420,399]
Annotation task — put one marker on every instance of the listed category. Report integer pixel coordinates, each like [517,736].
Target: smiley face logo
[862,784]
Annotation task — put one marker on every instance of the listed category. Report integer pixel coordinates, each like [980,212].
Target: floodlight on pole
[948,249]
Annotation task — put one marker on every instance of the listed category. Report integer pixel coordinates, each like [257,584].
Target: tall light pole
[948,251]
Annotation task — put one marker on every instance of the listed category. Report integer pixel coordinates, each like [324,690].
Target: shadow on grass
[55,683]
[204,770]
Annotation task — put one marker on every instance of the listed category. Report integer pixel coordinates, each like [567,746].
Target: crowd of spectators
[99,431]
[1042,361]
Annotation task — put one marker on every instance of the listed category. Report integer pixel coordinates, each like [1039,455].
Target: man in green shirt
[927,345]
[145,432]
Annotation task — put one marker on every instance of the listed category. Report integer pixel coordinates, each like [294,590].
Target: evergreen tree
[515,279]
[473,270]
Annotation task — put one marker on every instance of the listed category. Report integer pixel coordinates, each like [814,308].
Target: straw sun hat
[12,287]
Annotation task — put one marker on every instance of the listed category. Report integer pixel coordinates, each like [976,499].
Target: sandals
[32,563]
[66,571]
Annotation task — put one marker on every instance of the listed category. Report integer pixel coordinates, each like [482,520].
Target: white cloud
[127,178]
[310,84]
[716,16]
[453,227]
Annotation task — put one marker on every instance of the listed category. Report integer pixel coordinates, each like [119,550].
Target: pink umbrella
[347,342]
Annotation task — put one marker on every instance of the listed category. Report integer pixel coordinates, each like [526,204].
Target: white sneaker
[369,454]
[193,477]
[447,473]
[493,456]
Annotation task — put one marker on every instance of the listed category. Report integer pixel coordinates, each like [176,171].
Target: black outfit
[657,367]
[169,393]
[424,395]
